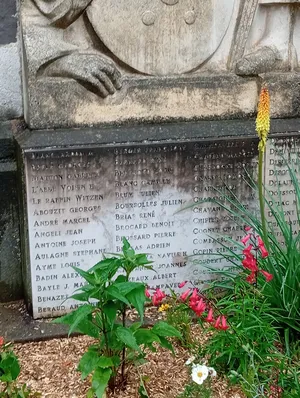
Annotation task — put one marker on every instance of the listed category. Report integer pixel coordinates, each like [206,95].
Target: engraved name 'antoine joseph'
[97,41]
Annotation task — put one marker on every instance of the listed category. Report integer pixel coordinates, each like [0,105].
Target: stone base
[59,103]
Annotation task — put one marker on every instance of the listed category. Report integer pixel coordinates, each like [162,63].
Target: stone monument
[122,101]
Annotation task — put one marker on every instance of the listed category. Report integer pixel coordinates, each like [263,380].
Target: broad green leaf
[9,367]
[88,363]
[126,287]
[90,278]
[80,321]
[163,329]
[137,298]
[145,336]
[127,249]
[100,381]
[110,309]
[114,292]
[166,344]
[105,362]
[127,337]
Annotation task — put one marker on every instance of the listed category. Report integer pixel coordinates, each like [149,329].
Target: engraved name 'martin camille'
[81,204]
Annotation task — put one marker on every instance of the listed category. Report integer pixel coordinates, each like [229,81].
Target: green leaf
[137,298]
[127,249]
[9,367]
[90,278]
[100,381]
[126,336]
[145,336]
[166,344]
[163,329]
[105,362]
[110,309]
[88,363]
[80,321]
[114,292]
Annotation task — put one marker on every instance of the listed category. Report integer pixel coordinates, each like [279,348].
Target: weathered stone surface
[11,105]
[8,22]
[168,37]
[10,263]
[142,100]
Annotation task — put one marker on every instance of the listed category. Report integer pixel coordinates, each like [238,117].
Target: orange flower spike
[263,118]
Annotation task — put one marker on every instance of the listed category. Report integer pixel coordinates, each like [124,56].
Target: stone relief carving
[160,37]
[273,42]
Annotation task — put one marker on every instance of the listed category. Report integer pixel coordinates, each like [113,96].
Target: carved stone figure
[273,41]
[159,37]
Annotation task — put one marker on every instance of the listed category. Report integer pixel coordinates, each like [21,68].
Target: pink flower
[182,284]
[245,239]
[223,325]
[217,323]
[210,316]
[266,274]
[263,250]
[200,308]
[247,228]
[185,295]
[147,293]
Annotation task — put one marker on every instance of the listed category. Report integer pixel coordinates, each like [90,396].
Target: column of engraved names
[281,154]
[63,200]
[216,164]
[146,200]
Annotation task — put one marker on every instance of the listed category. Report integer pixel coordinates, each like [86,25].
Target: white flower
[199,373]
[212,372]
[190,360]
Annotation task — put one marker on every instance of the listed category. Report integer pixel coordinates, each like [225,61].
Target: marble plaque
[282,155]
[81,202]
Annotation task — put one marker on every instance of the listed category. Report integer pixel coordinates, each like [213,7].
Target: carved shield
[161,37]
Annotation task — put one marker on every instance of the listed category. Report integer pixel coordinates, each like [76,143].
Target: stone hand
[93,71]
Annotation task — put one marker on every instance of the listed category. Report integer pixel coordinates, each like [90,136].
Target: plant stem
[262,198]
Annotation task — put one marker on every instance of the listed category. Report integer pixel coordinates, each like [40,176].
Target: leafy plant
[193,390]
[107,297]
[251,331]
[9,372]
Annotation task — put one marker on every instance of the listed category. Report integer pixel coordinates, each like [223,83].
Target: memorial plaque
[82,201]
[282,153]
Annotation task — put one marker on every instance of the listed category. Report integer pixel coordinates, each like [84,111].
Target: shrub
[107,296]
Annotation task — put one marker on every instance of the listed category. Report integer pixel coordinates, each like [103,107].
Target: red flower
[250,263]
[1,341]
[217,323]
[200,308]
[223,325]
[263,250]
[210,316]
[185,295]
[147,293]
[251,278]
[245,239]
[247,228]
[247,250]
[157,297]
[266,274]
[182,284]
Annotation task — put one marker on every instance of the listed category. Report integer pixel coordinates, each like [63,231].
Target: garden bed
[49,367]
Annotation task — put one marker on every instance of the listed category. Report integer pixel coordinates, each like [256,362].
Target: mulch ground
[49,367]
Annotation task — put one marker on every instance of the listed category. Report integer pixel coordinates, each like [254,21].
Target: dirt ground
[49,367]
